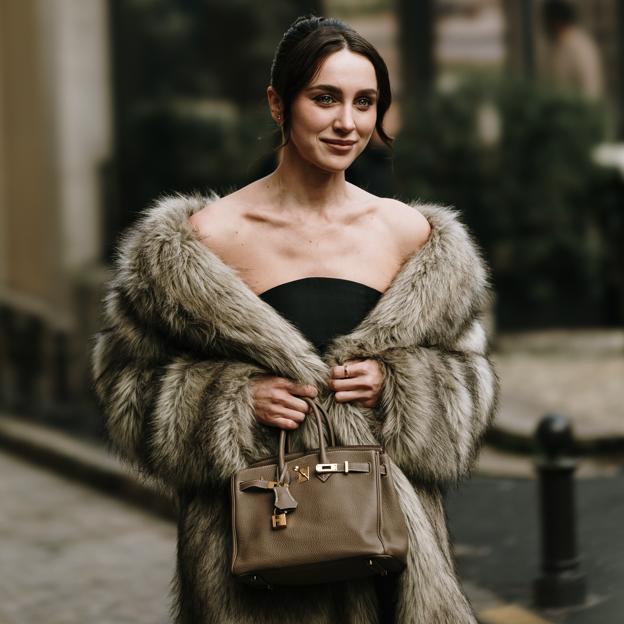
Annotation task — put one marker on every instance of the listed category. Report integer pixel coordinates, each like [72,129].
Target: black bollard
[561,584]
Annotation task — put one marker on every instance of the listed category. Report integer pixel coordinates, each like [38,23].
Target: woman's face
[340,104]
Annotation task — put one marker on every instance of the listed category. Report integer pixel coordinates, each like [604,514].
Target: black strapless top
[322,307]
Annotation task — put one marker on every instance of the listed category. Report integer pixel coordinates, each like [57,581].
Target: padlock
[278,520]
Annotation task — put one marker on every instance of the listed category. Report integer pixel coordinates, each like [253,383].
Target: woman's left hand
[363,384]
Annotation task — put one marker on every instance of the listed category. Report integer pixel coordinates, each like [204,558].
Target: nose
[344,120]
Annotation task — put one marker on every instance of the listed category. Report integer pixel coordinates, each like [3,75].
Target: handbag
[317,516]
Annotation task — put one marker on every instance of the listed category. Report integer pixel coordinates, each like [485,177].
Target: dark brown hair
[557,13]
[305,45]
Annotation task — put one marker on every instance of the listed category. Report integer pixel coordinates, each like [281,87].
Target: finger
[294,387]
[349,384]
[276,412]
[283,382]
[294,408]
[351,363]
[282,423]
[302,389]
[345,397]
[285,400]
[290,412]
[338,372]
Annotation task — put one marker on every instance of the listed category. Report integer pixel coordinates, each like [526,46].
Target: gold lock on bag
[318,516]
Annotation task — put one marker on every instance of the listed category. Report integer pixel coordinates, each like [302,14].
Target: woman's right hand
[276,401]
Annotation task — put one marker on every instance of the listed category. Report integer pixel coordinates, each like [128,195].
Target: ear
[275,105]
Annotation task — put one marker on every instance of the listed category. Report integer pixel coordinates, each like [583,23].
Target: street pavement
[494,524]
[74,555]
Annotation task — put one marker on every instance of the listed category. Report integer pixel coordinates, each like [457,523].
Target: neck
[297,185]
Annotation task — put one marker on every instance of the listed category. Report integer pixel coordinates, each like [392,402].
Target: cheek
[367,123]
[310,119]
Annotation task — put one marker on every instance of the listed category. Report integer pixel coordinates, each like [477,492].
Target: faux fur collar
[175,283]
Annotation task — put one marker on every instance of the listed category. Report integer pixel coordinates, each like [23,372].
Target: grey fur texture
[184,337]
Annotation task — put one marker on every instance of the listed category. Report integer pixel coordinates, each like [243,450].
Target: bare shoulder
[407,223]
[218,222]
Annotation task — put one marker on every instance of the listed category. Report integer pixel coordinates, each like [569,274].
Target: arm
[436,404]
[186,420]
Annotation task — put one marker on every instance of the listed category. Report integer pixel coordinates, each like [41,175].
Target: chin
[337,168]
[336,164]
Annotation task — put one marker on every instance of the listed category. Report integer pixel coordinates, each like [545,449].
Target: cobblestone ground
[70,555]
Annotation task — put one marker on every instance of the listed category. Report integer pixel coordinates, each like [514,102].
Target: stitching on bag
[379,511]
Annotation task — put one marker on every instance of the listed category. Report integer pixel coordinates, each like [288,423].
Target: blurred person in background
[573,61]
[224,312]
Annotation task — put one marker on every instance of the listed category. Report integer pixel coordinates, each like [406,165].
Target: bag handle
[330,427]
[283,475]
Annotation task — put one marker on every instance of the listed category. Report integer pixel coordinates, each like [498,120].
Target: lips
[339,147]
[338,142]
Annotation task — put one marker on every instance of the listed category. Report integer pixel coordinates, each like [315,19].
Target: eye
[325,95]
[367,101]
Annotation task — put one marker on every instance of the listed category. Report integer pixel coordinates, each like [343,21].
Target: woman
[225,311]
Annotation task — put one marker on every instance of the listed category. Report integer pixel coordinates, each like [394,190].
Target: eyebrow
[333,89]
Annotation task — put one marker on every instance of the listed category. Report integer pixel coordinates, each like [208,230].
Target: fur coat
[183,337]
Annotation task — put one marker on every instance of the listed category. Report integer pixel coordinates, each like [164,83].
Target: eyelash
[318,97]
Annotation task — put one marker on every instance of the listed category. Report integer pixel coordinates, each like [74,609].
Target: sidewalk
[579,374]
[71,555]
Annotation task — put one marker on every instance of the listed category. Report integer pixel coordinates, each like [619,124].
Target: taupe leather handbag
[316,516]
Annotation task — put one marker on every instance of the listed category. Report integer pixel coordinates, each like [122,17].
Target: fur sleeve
[436,404]
[185,420]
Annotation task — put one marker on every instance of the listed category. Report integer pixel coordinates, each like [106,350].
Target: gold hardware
[303,474]
[278,520]
[326,467]
[346,467]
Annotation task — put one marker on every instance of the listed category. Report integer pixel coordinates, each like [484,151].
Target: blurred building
[55,123]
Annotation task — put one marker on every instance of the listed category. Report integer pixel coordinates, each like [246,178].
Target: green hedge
[537,203]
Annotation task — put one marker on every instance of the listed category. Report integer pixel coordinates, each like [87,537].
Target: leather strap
[346,468]
[257,484]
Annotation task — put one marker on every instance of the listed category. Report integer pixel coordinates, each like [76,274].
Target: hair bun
[306,18]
